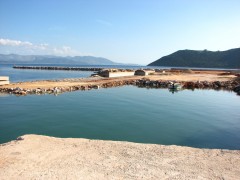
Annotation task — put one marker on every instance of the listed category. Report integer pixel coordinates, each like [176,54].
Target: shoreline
[37,156]
[196,80]
[44,157]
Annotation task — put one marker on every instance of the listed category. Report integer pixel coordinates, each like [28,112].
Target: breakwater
[216,85]
[58,68]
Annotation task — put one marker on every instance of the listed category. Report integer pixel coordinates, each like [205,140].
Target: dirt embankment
[209,76]
[42,157]
[188,80]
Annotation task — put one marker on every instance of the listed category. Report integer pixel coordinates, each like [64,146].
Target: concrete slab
[4,78]
[4,82]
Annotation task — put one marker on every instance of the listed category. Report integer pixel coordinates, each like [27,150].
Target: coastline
[43,157]
[198,79]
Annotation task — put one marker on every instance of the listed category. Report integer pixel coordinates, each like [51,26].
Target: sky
[124,31]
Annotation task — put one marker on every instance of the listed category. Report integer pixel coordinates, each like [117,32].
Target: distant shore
[43,157]
[200,79]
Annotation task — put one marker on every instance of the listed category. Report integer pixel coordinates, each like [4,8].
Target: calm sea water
[21,75]
[200,118]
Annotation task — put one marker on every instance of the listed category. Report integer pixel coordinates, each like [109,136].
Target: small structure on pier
[4,80]
[115,73]
[143,72]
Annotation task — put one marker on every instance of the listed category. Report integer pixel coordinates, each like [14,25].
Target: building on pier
[143,72]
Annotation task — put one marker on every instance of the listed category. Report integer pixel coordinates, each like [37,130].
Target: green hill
[206,59]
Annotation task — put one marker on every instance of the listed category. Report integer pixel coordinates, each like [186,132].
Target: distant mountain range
[205,59]
[41,59]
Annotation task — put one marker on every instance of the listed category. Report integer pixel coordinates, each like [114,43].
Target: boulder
[237,89]
[19,138]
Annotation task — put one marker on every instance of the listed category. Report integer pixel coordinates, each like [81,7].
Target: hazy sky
[126,31]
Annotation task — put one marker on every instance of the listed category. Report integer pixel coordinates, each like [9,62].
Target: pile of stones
[217,85]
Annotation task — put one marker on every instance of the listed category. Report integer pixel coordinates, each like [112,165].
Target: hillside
[206,59]
[37,59]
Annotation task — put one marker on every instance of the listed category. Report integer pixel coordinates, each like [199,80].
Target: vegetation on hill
[205,59]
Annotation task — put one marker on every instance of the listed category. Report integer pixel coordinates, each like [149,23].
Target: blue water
[200,118]
[21,75]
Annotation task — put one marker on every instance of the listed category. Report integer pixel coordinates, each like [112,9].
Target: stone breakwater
[217,85]
[58,68]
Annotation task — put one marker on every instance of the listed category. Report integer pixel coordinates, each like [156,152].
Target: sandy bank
[42,157]
[209,76]
[196,79]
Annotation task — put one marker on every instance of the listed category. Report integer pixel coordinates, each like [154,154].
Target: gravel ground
[43,157]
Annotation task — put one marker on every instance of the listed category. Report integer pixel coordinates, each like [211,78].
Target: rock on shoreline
[43,157]
[217,85]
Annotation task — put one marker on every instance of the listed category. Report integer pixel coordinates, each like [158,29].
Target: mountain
[206,59]
[41,59]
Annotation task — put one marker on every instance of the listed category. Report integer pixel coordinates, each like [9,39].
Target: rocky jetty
[58,68]
[217,85]
[58,90]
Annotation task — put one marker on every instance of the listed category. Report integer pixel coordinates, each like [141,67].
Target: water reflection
[175,90]
[4,95]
